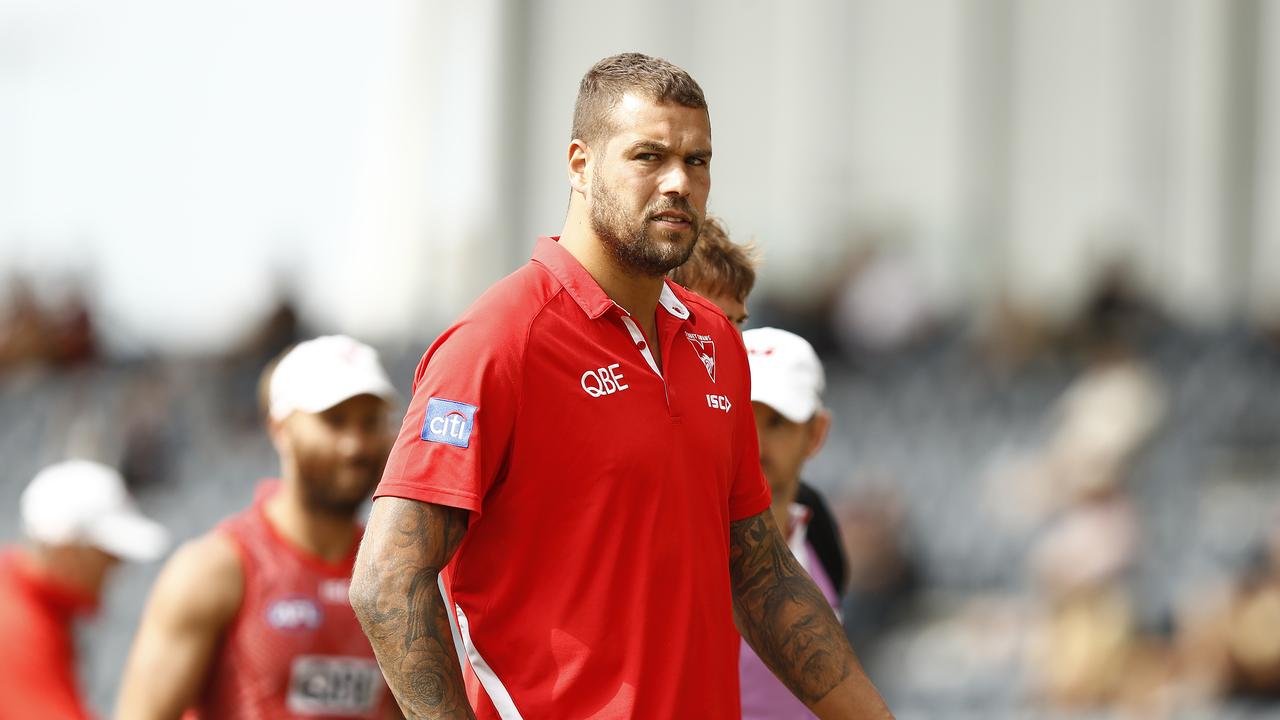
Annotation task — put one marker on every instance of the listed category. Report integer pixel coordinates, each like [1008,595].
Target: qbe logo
[294,613]
[449,422]
[603,381]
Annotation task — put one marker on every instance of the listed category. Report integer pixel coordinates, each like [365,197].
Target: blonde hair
[718,266]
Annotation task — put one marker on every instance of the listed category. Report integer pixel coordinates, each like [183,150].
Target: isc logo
[719,402]
[603,381]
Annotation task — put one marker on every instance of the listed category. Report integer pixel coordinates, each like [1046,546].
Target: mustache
[678,204]
[369,463]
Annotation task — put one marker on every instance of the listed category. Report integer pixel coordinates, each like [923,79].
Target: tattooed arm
[395,596]
[790,625]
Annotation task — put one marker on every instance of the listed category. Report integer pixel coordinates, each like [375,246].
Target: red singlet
[294,649]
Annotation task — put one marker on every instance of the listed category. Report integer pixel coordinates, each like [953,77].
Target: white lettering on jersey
[334,685]
[705,348]
[603,381]
[719,402]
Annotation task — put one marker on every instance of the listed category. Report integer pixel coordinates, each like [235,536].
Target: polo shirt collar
[672,303]
[584,289]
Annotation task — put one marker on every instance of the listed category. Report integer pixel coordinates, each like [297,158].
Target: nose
[675,180]
[352,442]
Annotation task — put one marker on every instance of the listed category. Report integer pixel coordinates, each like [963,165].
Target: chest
[599,420]
[296,644]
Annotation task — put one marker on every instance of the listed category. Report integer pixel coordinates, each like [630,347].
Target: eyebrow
[658,147]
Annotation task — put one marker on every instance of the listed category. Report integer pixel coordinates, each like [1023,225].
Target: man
[574,505]
[787,381]
[80,523]
[724,272]
[251,620]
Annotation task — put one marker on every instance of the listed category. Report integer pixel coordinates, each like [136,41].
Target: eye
[696,161]
[647,157]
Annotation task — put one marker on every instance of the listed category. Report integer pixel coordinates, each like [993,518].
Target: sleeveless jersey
[295,648]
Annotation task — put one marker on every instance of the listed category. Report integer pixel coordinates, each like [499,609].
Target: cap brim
[795,404]
[129,536]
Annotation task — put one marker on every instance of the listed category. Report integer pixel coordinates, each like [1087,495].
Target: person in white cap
[787,382]
[252,619]
[80,523]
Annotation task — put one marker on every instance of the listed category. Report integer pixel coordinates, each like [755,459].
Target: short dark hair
[608,80]
[718,266]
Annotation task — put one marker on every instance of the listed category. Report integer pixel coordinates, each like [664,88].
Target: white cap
[320,373]
[78,501]
[786,374]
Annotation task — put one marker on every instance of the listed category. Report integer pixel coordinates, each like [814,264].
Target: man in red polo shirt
[80,523]
[574,506]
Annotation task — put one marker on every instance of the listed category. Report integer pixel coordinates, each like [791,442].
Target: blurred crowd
[1082,517]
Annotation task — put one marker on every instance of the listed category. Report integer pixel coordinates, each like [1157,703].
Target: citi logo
[449,422]
[719,402]
[603,381]
[449,425]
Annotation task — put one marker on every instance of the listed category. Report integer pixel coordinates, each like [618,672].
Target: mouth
[672,219]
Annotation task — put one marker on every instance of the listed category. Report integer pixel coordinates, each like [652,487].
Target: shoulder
[513,302]
[496,324]
[203,581]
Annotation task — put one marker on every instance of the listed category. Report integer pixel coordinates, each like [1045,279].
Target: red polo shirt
[37,651]
[593,580]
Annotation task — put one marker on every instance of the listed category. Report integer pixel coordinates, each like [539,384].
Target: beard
[337,489]
[630,241]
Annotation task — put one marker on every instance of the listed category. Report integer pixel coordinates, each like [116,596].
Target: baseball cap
[318,374]
[83,501]
[786,374]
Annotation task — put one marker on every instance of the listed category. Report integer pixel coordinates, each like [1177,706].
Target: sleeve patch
[449,422]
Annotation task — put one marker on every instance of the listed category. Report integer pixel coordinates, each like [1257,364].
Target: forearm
[398,602]
[788,622]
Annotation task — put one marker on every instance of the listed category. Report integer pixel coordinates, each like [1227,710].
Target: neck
[44,562]
[321,534]
[636,293]
[783,498]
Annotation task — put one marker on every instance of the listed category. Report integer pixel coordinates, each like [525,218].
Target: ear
[279,436]
[579,166]
[819,426]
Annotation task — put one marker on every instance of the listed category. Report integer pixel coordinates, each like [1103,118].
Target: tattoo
[782,614]
[399,604]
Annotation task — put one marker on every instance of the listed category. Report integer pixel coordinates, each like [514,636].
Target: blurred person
[1228,639]
[31,333]
[724,272]
[882,305]
[80,523]
[1091,650]
[882,575]
[251,620]
[787,382]
[24,329]
[575,503]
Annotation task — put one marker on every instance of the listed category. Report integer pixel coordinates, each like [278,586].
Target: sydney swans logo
[706,349]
